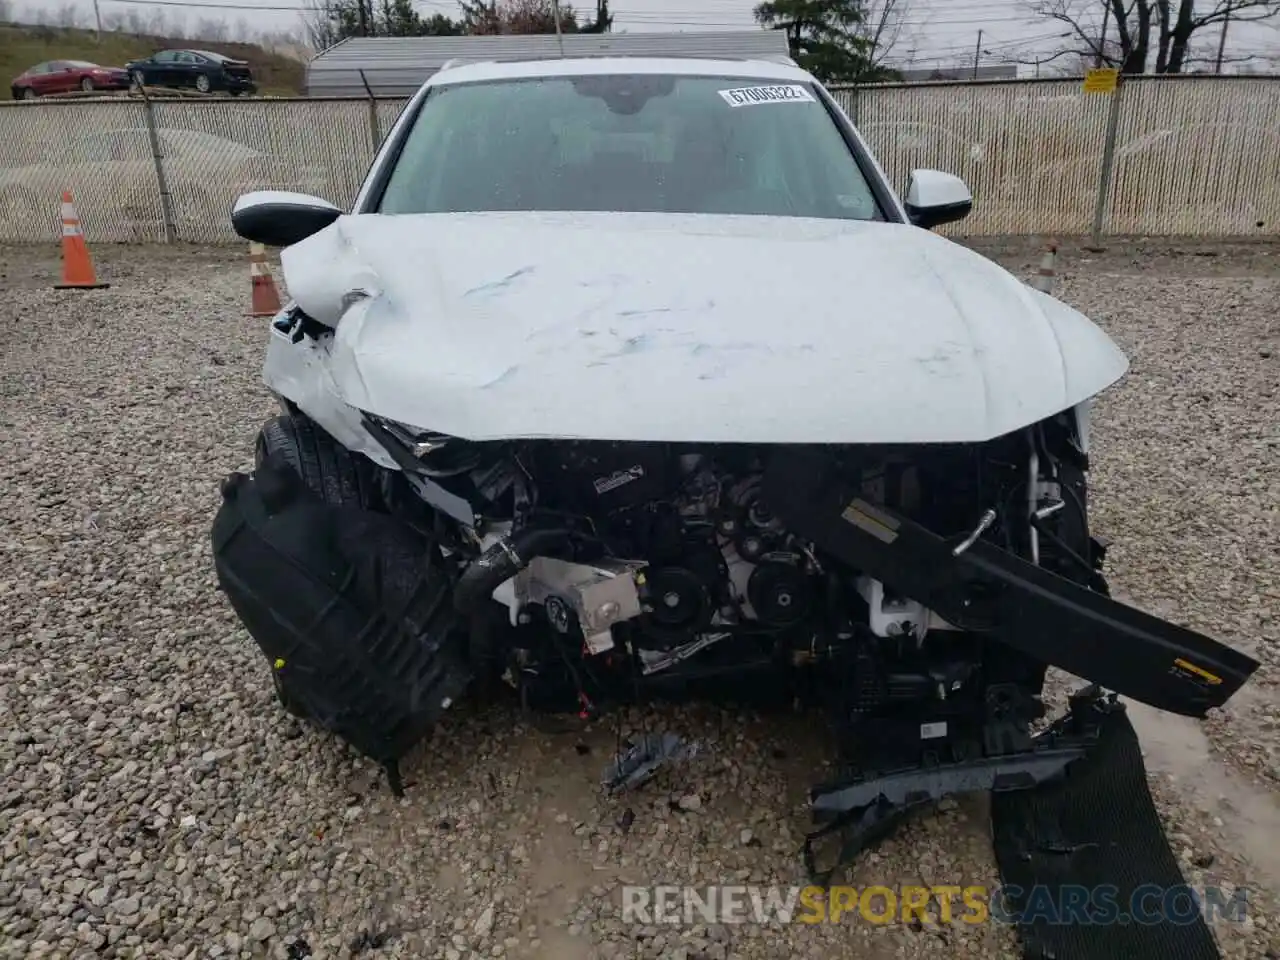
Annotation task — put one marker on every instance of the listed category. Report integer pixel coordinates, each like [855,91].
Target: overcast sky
[934,33]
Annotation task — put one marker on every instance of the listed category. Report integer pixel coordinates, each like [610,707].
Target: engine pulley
[780,593]
[677,602]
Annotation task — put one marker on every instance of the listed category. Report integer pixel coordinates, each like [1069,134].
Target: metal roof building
[1001,72]
[398,66]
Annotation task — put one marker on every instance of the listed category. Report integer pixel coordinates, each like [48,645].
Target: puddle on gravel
[1250,815]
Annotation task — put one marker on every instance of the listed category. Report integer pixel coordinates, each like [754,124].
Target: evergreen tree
[824,36]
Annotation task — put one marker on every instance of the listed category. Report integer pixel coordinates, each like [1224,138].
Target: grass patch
[24,46]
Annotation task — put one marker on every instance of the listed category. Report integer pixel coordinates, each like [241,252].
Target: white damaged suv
[634,378]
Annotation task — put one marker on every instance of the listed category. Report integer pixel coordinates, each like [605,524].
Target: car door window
[58,78]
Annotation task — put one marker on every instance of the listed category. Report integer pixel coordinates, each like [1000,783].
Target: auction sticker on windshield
[782,93]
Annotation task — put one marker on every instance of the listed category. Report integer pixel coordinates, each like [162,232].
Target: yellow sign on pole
[1102,80]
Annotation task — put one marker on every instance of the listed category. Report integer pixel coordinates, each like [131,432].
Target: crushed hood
[688,328]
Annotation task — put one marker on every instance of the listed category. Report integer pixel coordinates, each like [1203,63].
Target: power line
[649,17]
[193,5]
[674,17]
[733,5]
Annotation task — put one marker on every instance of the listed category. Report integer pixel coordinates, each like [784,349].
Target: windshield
[636,143]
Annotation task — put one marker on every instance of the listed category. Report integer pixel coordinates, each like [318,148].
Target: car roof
[598,66]
[199,53]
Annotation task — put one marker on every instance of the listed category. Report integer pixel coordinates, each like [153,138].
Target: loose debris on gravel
[154,801]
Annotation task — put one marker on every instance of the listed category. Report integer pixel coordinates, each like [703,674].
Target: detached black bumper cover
[991,591]
[347,605]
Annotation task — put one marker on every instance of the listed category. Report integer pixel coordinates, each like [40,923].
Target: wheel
[87,84]
[28,94]
[139,79]
[335,474]
[202,83]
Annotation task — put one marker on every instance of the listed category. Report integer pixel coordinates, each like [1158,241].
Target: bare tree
[6,11]
[288,43]
[1126,33]
[68,15]
[517,16]
[209,28]
[882,28]
[323,22]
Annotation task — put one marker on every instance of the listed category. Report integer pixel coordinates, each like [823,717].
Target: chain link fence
[1173,156]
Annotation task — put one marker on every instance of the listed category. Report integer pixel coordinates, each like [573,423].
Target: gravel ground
[155,803]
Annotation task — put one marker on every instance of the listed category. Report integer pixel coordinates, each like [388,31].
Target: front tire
[335,474]
[203,84]
[87,85]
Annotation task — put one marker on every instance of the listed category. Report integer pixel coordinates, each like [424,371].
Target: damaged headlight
[293,324]
[435,454]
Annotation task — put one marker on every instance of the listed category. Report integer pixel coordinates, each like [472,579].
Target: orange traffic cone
[265,301]
[77,265]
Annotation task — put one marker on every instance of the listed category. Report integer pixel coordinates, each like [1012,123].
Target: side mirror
[934,198]
[279,218]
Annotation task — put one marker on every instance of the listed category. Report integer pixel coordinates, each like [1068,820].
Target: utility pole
[97,16]
[977,53]
[1222,41]
[1102,40]
[555,12]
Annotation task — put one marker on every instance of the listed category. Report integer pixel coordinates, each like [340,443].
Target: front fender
[297,367]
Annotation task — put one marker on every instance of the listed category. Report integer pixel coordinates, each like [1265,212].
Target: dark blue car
[197,69]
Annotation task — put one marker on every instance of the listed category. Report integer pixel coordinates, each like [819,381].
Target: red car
[64,76]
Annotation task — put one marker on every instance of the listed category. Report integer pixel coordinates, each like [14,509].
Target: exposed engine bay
[649,565]
[656,566]
[917,594]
